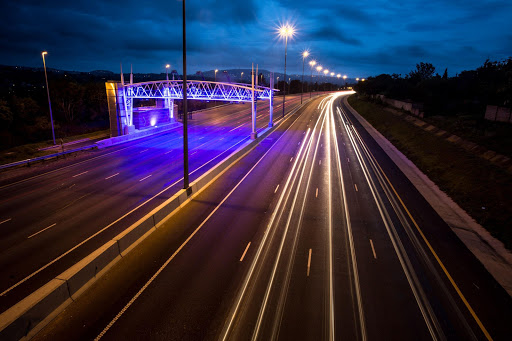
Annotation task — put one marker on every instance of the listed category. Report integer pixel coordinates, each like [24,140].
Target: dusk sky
[358,38]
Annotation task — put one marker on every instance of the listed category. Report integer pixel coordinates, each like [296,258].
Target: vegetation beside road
[32,150]
[479,187]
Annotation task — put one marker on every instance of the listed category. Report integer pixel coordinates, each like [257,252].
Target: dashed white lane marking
[80,174]
[144,178]
[276,188]
[73,185]
[246,248]
[145,150]
[46,228]
[348,160]
[6,220]
[193,153]
[356,188]
[109,177]
[291,159]
[168,152]
[316,192]
[373,250]
[309,261]
[320,162]
[201,138]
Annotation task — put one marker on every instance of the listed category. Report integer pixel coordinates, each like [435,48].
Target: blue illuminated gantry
[198,90]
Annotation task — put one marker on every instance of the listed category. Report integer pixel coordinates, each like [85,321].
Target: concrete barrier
[19,320]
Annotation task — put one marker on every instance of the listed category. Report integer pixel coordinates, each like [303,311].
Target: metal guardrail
[45,157]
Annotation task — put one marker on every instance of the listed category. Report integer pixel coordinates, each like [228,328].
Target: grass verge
[29,151]
[479,187]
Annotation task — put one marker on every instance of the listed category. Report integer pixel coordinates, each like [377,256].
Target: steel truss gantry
[122,95]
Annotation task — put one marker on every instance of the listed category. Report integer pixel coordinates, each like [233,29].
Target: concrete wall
[414,108]
[500,114]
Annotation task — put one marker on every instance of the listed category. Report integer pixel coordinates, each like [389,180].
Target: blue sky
[358,38]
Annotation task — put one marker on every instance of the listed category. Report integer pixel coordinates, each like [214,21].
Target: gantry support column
[254,134]
[271,102]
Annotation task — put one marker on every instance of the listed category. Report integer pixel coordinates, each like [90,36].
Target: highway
[53,218]
[314,235]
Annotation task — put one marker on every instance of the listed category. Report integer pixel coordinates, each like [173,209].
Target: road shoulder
[489,251]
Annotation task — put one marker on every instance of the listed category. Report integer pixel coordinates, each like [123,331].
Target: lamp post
[167,71]
[318,69]
[305,54]
[185,128]
[216,70]
[312,64]
[285,31]
[48,92]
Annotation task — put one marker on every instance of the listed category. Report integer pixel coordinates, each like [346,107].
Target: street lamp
[216,70]
[312,64]
[241,76]
[357,79]
[185,123]
[48,92]
[305,54]
[285,31]
[167,71]
[332,74]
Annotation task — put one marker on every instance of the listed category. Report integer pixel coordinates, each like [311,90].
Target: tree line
[468,92]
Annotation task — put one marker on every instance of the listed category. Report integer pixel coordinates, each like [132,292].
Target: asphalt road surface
[314,235]
[50,221]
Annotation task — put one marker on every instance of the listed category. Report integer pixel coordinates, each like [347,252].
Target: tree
[445,74]
[6,116]
[423,72]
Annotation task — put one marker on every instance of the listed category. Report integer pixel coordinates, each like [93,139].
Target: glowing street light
[48,92]
[305,54]
[344,76]
[312,63]
[216,70]
[285,31]
[338,75]
[241,76]
[332,74]
[167,71]
[326,72]
[362,80]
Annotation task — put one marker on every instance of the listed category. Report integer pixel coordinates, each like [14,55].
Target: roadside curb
[27,317]
[489,251]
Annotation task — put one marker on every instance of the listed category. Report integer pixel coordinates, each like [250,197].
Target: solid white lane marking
[373,249]
[144,178]
[309,261]
[6,220]
[201,138]
[109,177]
[168,152]
[316,192]
[145,150]
[356,188]
[193,153]
[276,188]
[235,128]
[80,174]
[46,228]
[246,248]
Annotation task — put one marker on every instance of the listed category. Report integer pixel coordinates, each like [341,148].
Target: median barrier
[31,314]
